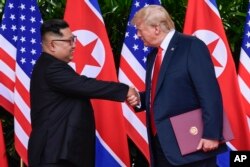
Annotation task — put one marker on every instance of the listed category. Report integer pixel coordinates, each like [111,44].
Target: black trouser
[161,161]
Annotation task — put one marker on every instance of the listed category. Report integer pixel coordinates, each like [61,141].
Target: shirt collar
[166,41]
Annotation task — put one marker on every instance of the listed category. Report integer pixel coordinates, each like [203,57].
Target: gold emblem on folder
[193,130]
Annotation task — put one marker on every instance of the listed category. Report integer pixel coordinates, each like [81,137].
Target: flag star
[22,17]
[137,4]
[33,19]
[15,38]
[247,44]
[144,59]
[248,12]
[33,62]
[135,47]
[12,17]
[146,4]
[22,28]
[13,27]
[22,6]
[126,34]
[32,8]
[22,39]
[145,48]
[3,27]
[23,60]
[22,50]
[11,5]
[33,41]
[3,16]
[33,51]
[248,34]
[248,23]
[33,30]
[135,37]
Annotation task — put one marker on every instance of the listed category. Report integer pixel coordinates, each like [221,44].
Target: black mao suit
[186,81]
[62,117]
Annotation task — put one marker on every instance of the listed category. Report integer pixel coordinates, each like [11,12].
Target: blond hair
[154,15]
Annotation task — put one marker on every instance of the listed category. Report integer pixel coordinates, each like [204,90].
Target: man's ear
[157,29]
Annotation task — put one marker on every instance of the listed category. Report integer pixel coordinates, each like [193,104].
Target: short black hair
[54,26]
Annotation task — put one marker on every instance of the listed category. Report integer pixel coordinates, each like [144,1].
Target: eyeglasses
[71,41]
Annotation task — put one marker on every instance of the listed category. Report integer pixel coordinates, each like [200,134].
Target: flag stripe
[130,73]
[21,149]
[7,47]
[5,80]
[245,60]
[128,57]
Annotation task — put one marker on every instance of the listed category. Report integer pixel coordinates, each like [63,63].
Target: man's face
[64,46]
[146,33]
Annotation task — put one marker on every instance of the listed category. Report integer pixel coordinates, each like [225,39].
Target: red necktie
[157,66]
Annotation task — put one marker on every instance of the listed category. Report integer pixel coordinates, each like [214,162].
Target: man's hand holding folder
[188,129]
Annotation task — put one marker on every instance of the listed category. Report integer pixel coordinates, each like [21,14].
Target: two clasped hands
[133,97]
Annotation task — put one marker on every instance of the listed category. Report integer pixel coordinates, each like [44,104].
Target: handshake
[133,97]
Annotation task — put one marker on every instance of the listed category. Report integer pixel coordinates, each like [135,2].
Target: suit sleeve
[202,73]
[62,78]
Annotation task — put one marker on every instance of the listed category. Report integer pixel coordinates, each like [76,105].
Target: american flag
[132,71]
[244,67]
[20,47]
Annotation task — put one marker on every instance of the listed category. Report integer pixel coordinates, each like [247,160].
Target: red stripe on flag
[7,105]
[130,73]
[245,75]
[22,121]
[7,82]
[23,92]
[21,150]
[7,59]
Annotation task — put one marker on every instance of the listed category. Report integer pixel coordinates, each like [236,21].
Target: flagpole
[21,162]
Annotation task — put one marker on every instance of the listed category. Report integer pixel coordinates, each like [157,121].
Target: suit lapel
[167,59]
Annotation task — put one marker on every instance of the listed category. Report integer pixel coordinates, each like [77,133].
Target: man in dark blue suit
[62,117]
[186,81]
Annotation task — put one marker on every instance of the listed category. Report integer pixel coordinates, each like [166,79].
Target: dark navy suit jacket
[186,81]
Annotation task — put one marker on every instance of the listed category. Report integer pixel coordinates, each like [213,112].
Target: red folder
[188,129]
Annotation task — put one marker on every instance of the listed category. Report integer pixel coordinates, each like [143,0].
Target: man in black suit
[186,81]
[62,118]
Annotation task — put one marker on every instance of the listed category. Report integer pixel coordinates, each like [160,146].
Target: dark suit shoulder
[189,38]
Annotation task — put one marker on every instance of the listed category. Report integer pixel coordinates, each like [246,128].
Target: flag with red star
[207,26]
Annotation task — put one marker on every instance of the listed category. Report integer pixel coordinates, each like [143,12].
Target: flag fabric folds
[244,67]
[20,47]
[93,57]
[3,155]
[207,26]
[132,71]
